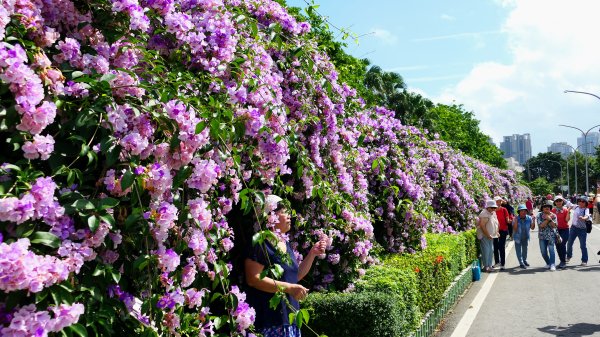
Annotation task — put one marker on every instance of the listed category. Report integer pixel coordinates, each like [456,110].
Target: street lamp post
[587,181]
[575,160]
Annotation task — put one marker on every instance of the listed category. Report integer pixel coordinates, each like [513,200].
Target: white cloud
[447,17]
[385,36]
[553,44]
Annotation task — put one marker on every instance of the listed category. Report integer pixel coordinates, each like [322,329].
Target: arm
[482,222]
[507,215]
[514,225]
[317,249]
[269,285]
[568,217]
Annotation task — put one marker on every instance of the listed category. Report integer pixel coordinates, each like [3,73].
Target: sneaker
[547,266]
[568,259]
[501,267]
[552,267]
[583,264]
[562,265]
[525,263]
[522,266]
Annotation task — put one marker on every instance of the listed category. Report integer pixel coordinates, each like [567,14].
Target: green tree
[546,165]
[541,186]
[460,129]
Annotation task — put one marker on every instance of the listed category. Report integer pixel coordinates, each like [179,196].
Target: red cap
[549,197]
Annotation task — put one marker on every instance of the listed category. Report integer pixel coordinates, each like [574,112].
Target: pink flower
[42,147]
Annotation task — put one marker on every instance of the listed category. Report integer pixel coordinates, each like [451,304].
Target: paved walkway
[532,302]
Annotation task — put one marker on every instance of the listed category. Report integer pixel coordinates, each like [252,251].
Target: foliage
[357,314]
[541,186]
[394,282]
[413,283]
[142,138]
[436,266]
[460,130]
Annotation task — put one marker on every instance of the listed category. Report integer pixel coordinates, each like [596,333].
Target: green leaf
[260,237]
[76,74]
[78,329]
[93,223]
[46,239]
[106,203]
[141,262]
[181,176]
[108,77]
[277,271]
[276,300]
[200,127]
[83,204]
[127,180]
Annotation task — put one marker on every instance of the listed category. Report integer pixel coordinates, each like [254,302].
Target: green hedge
[360,314]
[390,299]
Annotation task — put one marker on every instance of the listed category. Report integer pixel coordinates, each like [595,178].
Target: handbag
[557,238]
[588,226]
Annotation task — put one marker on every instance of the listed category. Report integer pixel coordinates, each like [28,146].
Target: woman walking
[500,242]
[578,231]
[547,225]
[487,230]
[563,216]
[521,225]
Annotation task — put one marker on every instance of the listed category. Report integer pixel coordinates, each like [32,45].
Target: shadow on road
[573,330]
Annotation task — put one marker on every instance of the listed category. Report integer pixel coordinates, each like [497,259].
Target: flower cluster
[167,122]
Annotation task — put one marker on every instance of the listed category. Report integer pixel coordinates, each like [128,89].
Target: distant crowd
[560,222]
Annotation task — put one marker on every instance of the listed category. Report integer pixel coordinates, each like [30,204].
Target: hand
[319,248]
[297,291]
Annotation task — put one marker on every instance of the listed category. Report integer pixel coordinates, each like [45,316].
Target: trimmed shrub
[471,245]
[360,314]
[397,282]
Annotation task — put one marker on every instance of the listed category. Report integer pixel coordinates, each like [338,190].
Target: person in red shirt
[590,205]
[563,216]
[529,205]
[500,242]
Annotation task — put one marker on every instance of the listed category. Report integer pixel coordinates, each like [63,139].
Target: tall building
[593,140]
[518,147]
[563,148]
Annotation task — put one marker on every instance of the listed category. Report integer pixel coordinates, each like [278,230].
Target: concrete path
[532,302]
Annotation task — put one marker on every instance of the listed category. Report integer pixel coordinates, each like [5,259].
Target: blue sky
[508,61]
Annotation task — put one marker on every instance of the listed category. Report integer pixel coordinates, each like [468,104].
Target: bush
[471,245]
[398,282]
[360,314]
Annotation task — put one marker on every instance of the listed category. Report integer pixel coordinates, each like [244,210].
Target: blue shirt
[523,228]
[259,300]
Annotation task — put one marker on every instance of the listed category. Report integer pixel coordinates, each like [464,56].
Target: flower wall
[141,137]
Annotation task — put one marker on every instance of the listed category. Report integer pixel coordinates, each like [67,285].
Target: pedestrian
[529,205]
[522,224]
[487,230]
[578,229]
[275,322]
[500,241]
[511,216]
[563,216]
[546,233]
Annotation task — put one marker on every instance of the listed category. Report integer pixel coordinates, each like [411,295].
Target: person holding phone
[275,322]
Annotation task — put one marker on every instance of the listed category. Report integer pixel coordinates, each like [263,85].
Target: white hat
[271,202]
[491,203]
[496,198]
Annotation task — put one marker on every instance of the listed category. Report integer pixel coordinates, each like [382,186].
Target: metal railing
[432,319]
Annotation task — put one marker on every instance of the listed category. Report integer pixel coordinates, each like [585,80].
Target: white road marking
[469,317]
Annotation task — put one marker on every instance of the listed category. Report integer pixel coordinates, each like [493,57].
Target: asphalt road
[532,302]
